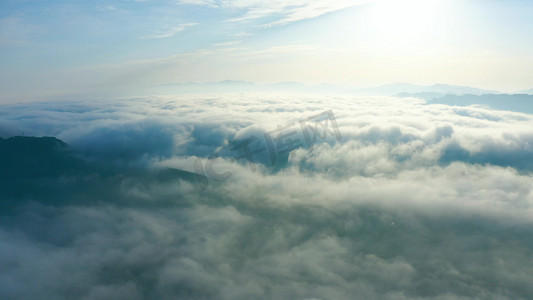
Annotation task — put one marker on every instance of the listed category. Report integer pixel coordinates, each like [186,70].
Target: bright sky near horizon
[53,48]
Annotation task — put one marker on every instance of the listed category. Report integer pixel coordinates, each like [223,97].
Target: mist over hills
[415,200]
[47,170]
[438,93]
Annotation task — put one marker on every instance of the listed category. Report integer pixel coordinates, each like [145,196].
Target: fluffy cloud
[415,201]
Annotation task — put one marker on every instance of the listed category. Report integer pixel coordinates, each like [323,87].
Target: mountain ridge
[390,89]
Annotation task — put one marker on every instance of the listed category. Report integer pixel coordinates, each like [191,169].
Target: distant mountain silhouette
[33,156]
[232,86]
[529,92]
[45,169]
[518,102]
[32,166]
[423,95]
[433,90]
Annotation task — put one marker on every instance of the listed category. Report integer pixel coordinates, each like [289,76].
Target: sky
[118,48]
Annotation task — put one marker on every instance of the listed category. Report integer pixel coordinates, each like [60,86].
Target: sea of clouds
[396,199]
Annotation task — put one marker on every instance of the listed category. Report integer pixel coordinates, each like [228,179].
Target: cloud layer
[415,201]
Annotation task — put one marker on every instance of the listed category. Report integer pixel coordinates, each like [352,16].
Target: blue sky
[54,48]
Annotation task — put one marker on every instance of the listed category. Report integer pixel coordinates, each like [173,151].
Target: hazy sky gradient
[118,48]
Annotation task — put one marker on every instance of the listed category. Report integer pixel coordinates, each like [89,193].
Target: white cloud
[379,215]
[106,8]
[170,31]
[241,34]
[283,11]
[230,43]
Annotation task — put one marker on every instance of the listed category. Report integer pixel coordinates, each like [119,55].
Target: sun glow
[404,22]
